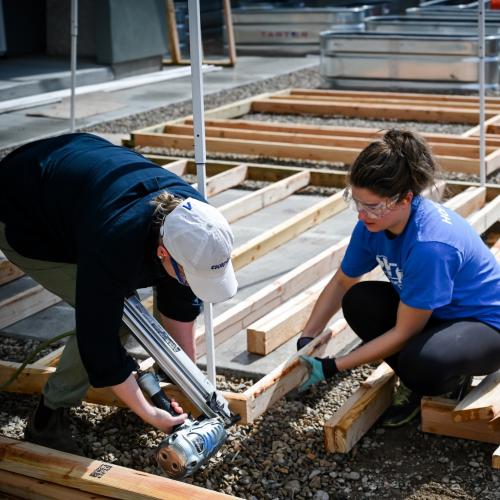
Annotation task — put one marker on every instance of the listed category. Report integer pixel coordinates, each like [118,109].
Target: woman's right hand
[163,421]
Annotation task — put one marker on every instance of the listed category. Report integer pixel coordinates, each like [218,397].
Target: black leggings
[433,361]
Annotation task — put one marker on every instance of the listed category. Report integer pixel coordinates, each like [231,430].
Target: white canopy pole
[199,152]
[74,37]
[482,137]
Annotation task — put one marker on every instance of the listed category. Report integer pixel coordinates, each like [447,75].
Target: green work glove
[319,369]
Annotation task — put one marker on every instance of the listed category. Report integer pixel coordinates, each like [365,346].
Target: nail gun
[193,442]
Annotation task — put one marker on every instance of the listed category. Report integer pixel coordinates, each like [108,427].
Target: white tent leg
[482,137]
[74,39]
[195,46]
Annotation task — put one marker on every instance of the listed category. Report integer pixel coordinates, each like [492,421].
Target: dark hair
[398,163]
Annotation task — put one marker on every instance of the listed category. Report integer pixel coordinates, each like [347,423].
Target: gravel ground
[282,454]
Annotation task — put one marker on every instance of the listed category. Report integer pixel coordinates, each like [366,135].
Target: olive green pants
[68,385]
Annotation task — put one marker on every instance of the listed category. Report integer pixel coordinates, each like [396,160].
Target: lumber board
[437,418]
[265,196]
[289,374]
[24,304]
[468,201]
[482,403]
[492,161]
[284,322]
[224,180]
[357,415]
[495,459]
[93,476]
[36,489]
[50,359]
[368,110]
[8,271]
[247,311]
[257,133]
[380,94]
[484,218]
[178,167]
[287,230]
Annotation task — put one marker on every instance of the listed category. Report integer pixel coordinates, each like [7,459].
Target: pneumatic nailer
[193,442]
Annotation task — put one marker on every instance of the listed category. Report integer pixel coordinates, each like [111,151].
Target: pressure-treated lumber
[482,403]
[36,489]
[437,418]
[264,197]
[93,476]
[8,271]
[224,180]
[495,460]
[290,374]
[287,230]
[360,411]
[281,324]
[24,304]
[247,311]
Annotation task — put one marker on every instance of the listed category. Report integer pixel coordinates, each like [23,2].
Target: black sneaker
[51,428]
[405,407]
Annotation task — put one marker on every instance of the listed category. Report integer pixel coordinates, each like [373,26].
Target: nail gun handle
[150,385]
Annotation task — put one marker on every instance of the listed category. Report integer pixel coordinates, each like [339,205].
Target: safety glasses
[179,273]
[373,211]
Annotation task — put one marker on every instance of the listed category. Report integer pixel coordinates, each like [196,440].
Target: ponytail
[399,163]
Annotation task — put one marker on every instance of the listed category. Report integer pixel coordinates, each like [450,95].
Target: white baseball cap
[199,238]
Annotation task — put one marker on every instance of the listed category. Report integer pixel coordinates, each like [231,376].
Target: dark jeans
[434,360]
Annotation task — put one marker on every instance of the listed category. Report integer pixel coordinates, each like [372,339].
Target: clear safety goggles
[373,211]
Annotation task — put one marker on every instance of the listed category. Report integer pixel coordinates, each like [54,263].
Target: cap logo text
[222,264]
[188,206]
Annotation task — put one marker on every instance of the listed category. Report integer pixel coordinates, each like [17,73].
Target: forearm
[328,303]
[379,348]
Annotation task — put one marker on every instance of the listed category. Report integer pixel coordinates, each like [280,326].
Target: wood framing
[93,476]
[8,271]
[495,461]
[173,37]
[360,411]
[225,134]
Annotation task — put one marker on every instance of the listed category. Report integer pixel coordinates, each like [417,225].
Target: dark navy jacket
[79,199]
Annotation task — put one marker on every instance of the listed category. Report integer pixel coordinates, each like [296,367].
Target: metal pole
[482,137]
[195,48]
[74,38]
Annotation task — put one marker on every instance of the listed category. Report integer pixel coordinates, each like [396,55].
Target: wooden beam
[495,459]
[224,180]
[35,489]
[178,167]
[264,197]
[289,374]
[284,322]
[8,271]
[287,230]
[24,304]
[468,201]
[247,311]
[484,218]
[94,476]
[482,403]
[51,359]
[173,36]
[357,415]
[437,418]
[379,110]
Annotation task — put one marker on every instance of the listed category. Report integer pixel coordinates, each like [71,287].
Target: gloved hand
[319,369]
[303,341]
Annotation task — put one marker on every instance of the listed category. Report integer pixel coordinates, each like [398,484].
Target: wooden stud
[437,418]
[24,304]
[173,35]
[178,167]
[94,476]
[224,180]
[50,359]
[247,311]
[8,272]
[369,110]
[482,403]
[273,238]
[264,197]
[468,201]
[484,218]
[357,415]
[495,459]
[284,322]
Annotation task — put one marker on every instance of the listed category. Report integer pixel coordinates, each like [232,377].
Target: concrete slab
[147,97]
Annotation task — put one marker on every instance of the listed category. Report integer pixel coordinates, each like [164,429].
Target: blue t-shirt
[437,263]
